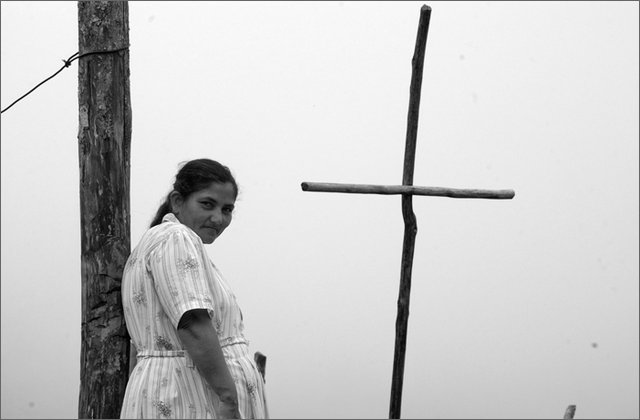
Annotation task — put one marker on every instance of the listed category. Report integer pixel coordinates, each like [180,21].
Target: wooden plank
[104,138]
[505,194]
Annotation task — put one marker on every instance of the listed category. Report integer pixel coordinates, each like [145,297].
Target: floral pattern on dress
[162,342]
[187,265]
[164,409]
[140,298]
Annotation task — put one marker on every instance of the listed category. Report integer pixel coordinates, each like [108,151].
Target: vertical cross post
[104,139]
[408,190]
[410,223]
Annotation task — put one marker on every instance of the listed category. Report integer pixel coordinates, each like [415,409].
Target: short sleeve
[179,275]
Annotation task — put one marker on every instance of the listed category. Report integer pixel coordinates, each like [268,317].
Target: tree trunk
[104,139]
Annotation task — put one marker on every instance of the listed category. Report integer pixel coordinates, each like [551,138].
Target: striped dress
[167,274]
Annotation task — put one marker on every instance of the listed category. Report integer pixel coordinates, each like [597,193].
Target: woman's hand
[229,411]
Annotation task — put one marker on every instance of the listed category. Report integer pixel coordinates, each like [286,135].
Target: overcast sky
[518,307]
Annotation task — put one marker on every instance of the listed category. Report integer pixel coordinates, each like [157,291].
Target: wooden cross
[408,191]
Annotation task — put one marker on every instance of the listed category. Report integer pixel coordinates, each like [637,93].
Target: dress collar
[170,217]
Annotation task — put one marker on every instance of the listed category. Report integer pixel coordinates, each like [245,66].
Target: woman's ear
[175,202]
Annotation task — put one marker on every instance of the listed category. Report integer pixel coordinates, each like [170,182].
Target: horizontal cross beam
[407,189]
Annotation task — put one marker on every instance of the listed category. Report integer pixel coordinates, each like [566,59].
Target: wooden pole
[570,412]
[104,139]
[261,364]
[410,224]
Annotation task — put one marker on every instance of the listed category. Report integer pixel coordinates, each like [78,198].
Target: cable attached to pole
[67,63]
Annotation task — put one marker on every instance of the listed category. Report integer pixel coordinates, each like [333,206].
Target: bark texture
[104,139]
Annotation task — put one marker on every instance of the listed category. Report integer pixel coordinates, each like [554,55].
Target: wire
[67,63]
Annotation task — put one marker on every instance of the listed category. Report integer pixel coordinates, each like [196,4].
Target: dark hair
[194,176]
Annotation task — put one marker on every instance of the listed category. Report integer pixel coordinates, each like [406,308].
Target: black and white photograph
[320,209]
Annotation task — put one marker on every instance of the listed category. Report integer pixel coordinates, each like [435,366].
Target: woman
[193,360]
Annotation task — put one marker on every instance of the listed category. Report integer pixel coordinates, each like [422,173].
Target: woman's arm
[201,342]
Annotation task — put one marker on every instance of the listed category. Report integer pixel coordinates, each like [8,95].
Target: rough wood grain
[104,138]
[407,189]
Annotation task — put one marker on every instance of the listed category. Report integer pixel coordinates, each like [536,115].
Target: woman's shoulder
[168,230]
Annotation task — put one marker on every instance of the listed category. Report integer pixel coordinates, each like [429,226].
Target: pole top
[425,8]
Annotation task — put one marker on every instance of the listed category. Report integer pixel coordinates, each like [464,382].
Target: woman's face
[208,211]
